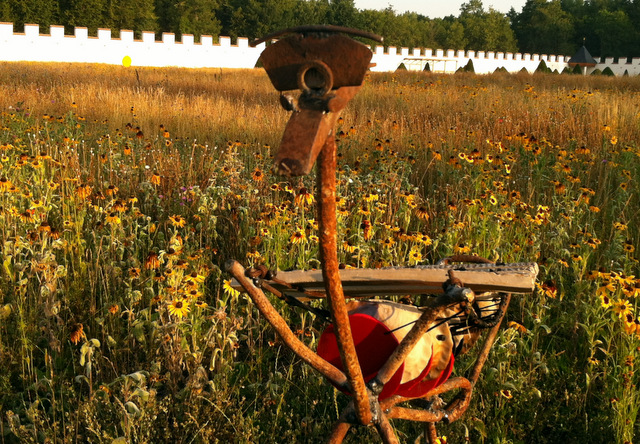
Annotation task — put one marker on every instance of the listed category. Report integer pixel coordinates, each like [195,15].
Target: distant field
[123,191]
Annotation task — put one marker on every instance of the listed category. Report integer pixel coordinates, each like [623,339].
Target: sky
[433,8]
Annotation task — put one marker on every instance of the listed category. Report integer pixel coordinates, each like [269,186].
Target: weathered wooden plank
[365,282]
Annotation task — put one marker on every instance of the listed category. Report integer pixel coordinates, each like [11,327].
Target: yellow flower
[415,256]
[228,289]
[388,242]
[298,237]
[83,191]
[516,326]
[257,175]
[349,247]
[77,333]
[628,247]
[424,239]
[178,308]
[422,213]
[622,308]
[113,219]
[605,301]
[371,197]
[152,262]
[177,221]
[304,197]
[155,179]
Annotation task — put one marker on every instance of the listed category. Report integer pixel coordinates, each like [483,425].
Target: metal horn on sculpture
[383,354]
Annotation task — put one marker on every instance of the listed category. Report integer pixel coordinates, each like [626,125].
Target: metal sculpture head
[328,68]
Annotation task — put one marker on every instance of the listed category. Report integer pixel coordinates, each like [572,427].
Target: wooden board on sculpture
[428,279]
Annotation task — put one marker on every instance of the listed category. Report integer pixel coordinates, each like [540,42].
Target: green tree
[88,13]
[544,27]
[486,30]
[343,13]
[616,32]
[450,34]
[197,17]
[137,16]
[42,12]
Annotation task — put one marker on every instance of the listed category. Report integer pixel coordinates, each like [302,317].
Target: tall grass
[124,191]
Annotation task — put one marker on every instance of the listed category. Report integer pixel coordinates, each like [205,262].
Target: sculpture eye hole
[315,78]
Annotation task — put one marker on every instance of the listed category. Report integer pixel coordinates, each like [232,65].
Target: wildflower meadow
[123,192]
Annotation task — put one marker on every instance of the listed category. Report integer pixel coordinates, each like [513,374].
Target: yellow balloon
[126,61]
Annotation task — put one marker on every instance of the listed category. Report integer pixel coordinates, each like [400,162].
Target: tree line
[546,27]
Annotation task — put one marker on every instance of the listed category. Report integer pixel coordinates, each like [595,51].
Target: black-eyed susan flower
[628,246]
[111,190]
[298,236]
[349,246]
[228,289]
[5,184]
[517,327]
[113,218]
[27,216]
[304,197]
[177,221]
[83,191]
[76,334]
[387,243]
[155,179]
[605,300]
[371,197]
[152,262]
[178,308]
[257,175]
[415,255]
[118,206]
[506,393]
[622,308]
[422,213]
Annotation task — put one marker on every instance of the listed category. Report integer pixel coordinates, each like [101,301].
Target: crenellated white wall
[80,47]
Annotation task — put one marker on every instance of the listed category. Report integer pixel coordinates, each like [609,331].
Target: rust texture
[328,239]
[282,328]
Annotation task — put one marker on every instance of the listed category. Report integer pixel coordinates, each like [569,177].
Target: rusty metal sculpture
[329,68]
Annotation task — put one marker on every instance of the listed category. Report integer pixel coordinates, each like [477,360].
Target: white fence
[80,47]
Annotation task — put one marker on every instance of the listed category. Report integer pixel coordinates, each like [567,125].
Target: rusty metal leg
[327,162]
[488,342]
[339,432]
[430,434]
[408,342]
[385,429]
[329,371]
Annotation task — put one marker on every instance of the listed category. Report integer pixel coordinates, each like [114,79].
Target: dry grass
[122,193]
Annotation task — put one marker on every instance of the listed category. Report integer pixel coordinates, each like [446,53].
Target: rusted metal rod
[409,341]
[328,237]
[385,430]
[450,413]
[489,340]
[329,371]
[342,426]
